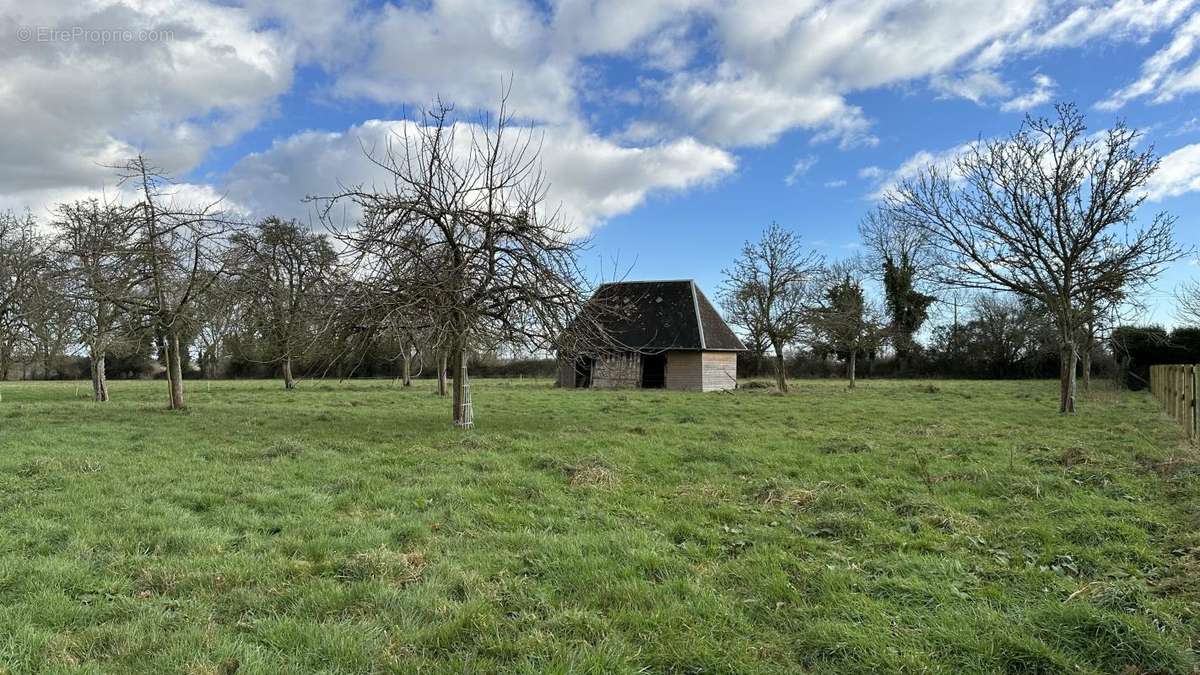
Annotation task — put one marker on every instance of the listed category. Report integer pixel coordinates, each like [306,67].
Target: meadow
[346,528]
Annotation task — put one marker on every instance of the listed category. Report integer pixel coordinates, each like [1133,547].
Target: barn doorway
[583,372]
[654,371]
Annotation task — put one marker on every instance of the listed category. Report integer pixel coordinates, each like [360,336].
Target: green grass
[944,527]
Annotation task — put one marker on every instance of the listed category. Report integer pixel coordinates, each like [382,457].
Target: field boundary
[1175,387]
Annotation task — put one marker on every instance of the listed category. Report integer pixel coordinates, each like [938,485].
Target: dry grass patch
[383,564]
[774,493]
[592,474]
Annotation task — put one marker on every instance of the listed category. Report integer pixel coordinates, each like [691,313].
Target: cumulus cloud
[591,178]
[206,76]
[466,52]
[739,111]
[707,74]
[1178,173]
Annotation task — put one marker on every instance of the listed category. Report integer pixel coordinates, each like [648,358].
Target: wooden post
[1190,410]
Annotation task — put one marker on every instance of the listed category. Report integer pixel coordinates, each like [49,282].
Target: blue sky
[673,129]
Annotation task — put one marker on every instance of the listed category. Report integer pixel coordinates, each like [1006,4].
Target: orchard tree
[846,323]
[97,251]
[769,292]
[458,241]
[285,275]
[20,259]
[1049,213]
[182,250]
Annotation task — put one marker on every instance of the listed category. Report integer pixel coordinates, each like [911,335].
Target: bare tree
[50,318]
[20,253]
[183,249]
[1187,299]
[285,275]
[769,291]
[460,243]
[846,323]
[96,251]
[1049,214]
[214,317]
[901,259]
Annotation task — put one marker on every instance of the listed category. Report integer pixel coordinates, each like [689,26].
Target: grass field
[905,526]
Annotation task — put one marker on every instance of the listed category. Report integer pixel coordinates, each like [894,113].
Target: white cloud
[727,73]
[592,178]
[801,167]
[976,86]
[73,105]
[735,111]
[1178,173]
[1042,92]
[1080,23]
[886,181]
[835,183]
[465,51]
[1162,79]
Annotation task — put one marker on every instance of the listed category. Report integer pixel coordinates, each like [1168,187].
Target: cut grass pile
[345,528]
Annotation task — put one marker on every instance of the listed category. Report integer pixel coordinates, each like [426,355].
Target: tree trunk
[288,381]
[1086,365]
[99,377]
[459,398]
[174,372]
[851,366]
[441,374]
[1069,357]
[407,367]
[780,370]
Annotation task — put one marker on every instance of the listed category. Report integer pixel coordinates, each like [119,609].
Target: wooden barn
[667,335]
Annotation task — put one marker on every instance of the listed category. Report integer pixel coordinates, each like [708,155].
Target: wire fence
[1175,387]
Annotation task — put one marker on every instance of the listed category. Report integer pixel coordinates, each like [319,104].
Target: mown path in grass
[905,526]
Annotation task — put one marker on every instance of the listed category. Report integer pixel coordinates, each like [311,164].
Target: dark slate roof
[661,315]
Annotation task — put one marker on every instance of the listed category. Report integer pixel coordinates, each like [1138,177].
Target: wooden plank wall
[1176,387]
[720,371]
[685,371]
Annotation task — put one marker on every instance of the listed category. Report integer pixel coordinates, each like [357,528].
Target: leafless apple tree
[769,292]
[1049,213]
[20,259]
[459,243]
[182,249]
[285,277]
[96,251]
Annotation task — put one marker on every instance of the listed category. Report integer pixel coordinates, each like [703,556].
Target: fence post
[1191,412]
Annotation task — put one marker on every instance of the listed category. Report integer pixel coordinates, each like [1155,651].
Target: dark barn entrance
[583,372]
[654,371]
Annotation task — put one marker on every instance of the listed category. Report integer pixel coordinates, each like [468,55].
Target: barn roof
[661,315]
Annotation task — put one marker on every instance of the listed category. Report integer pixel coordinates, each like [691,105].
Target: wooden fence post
[1191,407]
